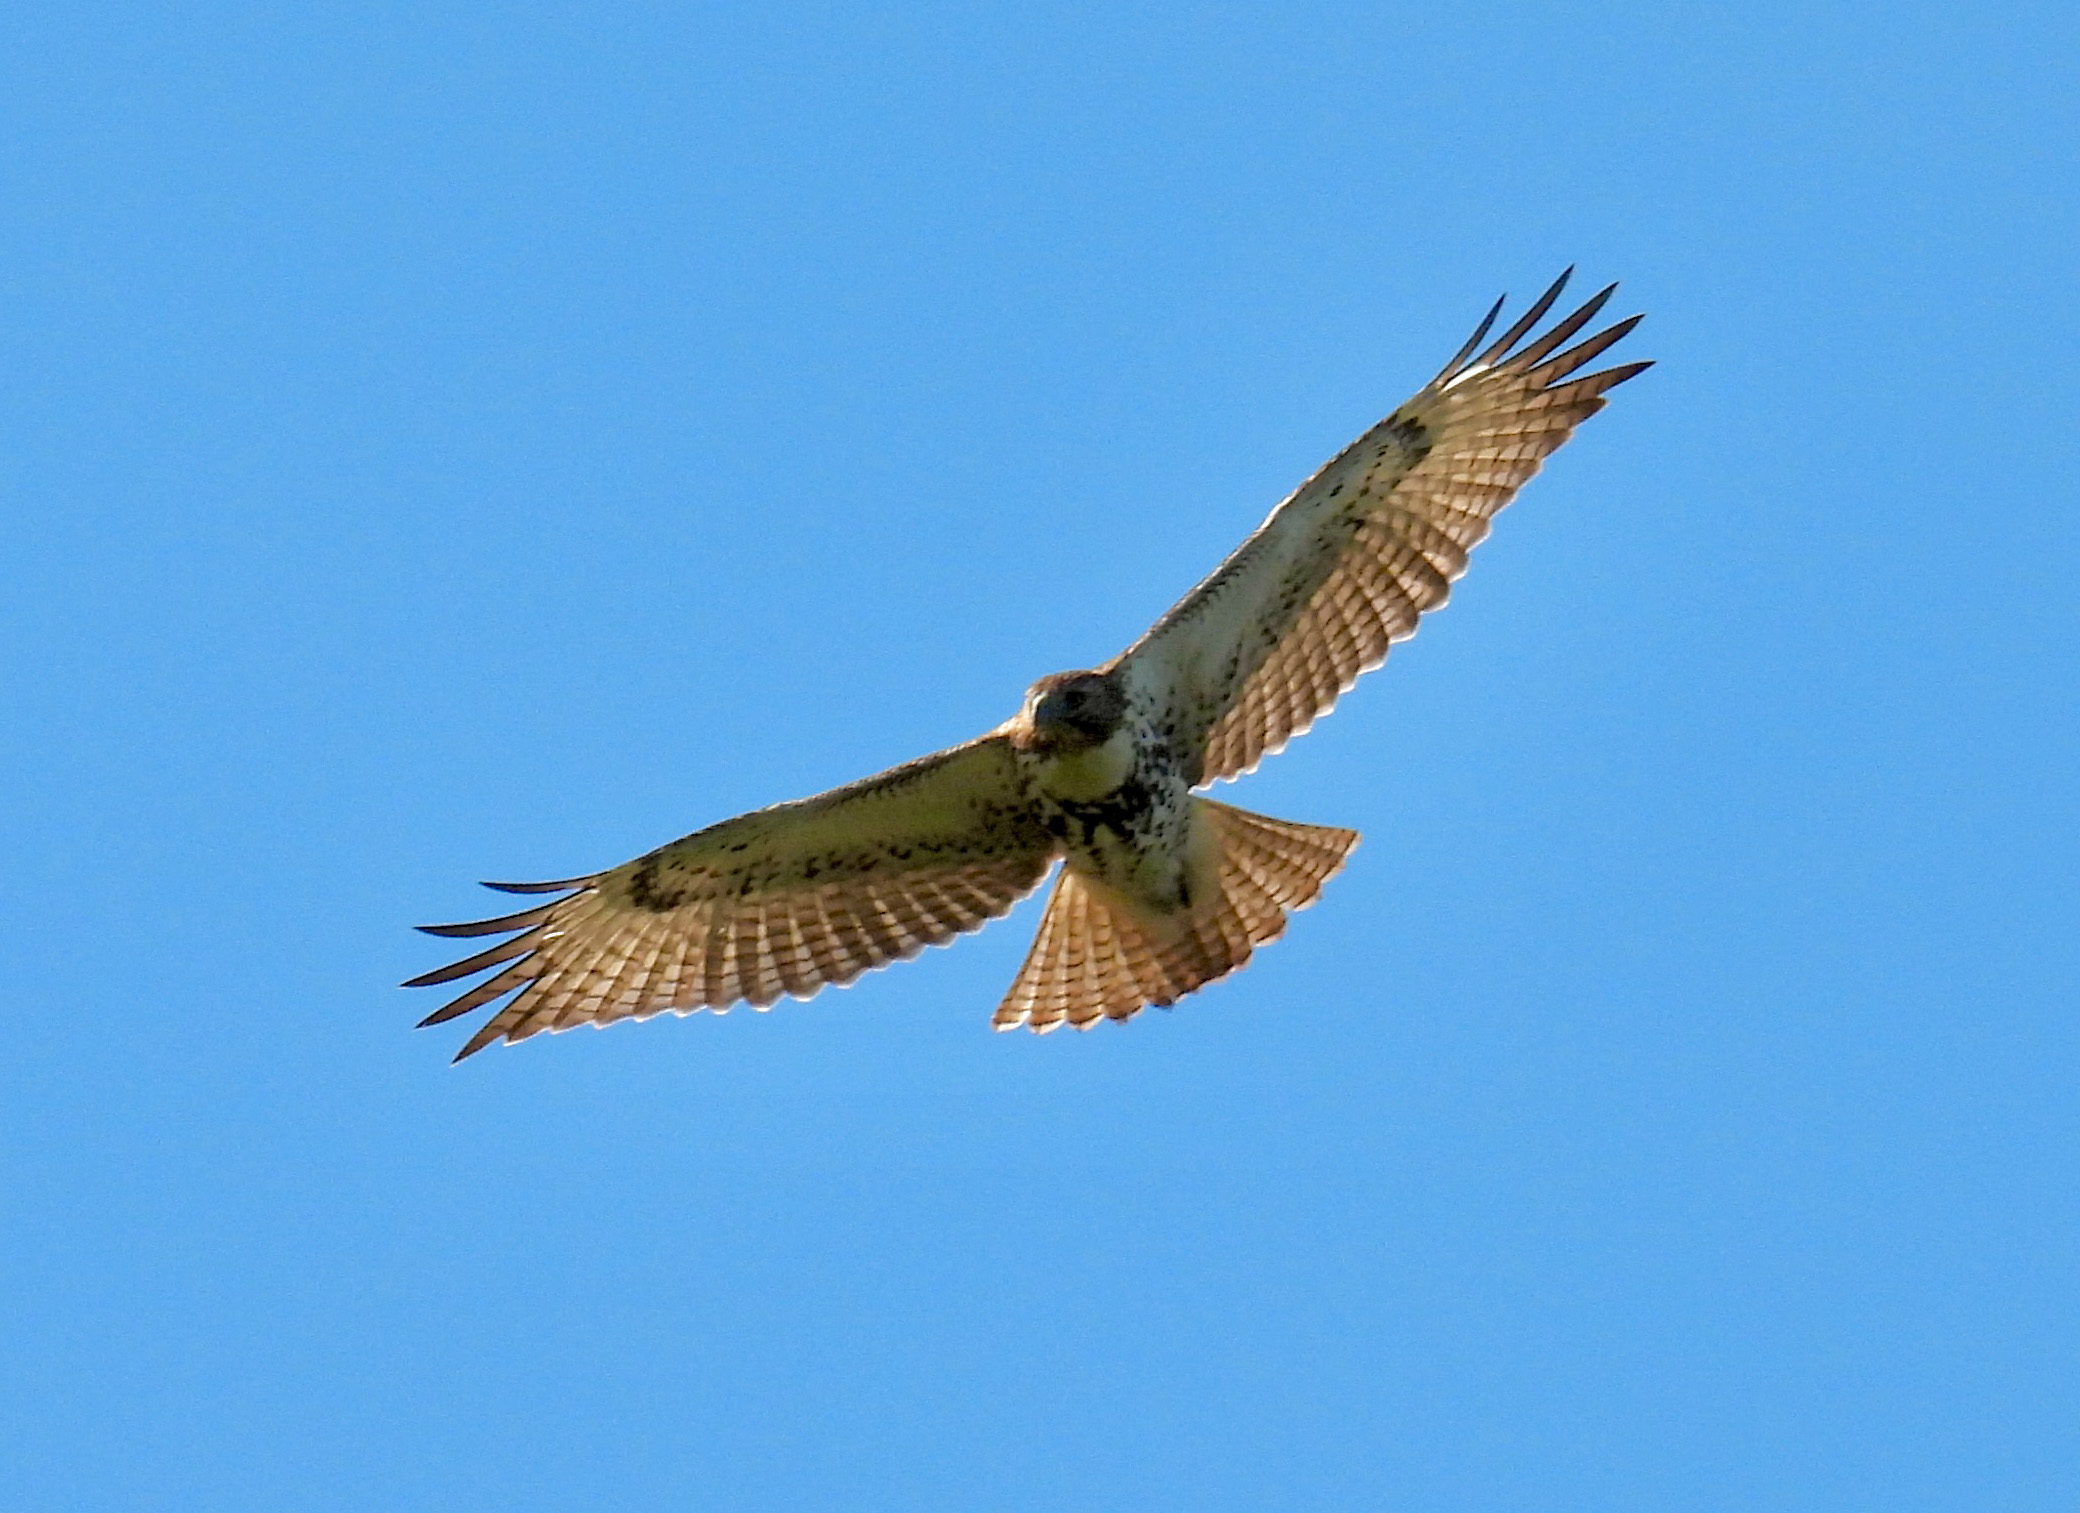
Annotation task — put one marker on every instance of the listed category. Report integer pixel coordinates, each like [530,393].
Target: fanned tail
[1098,956]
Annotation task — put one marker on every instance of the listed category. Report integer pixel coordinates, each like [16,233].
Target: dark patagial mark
[644,891]
[1408,434]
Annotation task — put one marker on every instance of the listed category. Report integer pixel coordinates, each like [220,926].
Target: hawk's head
[1074,711]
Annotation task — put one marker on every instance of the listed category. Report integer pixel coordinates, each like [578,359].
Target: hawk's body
[1161,890]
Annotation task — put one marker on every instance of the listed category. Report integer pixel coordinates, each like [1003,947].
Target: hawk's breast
[1086,776]
[1123,815]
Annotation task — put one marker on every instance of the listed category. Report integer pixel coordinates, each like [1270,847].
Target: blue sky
[442,442]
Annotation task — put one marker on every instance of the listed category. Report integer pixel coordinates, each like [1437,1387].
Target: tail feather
[1098,956]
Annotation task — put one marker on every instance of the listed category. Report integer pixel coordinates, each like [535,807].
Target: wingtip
[567,885]
[1480,334]
[475,1043]
[1623,373]
[504,924]
[1524,323]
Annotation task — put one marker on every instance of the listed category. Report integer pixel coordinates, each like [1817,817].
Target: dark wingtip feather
[491,956]
[1610,378]
[1527,320]
[1460,356]
[497,926]
[565,886]
[517,974]
[476,1043]
[1581,354]
[1544,347]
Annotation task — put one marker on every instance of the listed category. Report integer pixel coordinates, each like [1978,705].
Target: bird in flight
[1161,890]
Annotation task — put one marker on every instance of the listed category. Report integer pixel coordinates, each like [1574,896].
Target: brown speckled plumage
[1162,890]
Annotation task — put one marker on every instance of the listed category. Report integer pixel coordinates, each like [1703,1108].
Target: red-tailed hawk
[1161,890]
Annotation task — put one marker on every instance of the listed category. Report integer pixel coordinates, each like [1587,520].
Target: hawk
[1161,890]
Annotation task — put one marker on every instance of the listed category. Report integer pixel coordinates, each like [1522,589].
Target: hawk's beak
[1050,737]
[1058,737]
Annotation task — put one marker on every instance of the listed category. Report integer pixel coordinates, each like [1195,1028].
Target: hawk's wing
[781,901]
[1342,569]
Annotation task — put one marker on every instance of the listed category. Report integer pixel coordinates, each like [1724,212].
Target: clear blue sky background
[445,442]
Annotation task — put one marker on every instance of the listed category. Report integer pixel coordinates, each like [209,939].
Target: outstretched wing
[785,900]
[1344,567]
